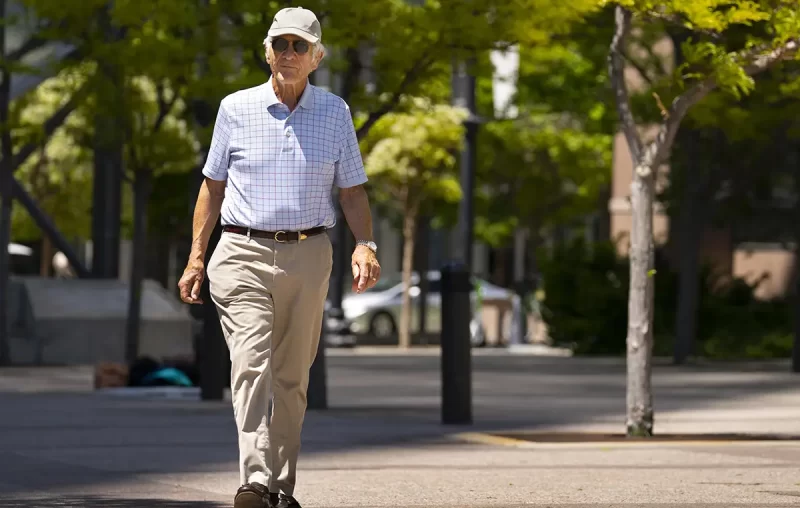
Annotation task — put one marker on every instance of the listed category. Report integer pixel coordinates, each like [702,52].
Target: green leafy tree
[719,144]
[542,171]
[58,173]
[22,36]
[144,57]
[410,161]
[548,168]
[714,149]
[731,42]
[160,142]
[159,54]
[384,50]
[44,44]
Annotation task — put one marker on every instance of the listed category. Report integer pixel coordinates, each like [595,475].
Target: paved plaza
[381,444]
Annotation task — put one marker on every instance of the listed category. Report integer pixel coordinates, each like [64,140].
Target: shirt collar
[306,100]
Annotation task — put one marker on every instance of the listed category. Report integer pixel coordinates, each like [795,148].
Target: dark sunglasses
[300,47]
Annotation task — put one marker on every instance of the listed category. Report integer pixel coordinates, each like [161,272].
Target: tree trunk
[691,220]
[421,266]
[141,195]
[691,234]
[639,414]
[46,258]
[647,160]
[409,228]
[639,420]
[109,147]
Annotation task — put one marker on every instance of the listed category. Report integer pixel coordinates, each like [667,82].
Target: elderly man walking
[277,152]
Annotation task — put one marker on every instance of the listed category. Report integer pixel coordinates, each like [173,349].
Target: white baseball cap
[296,21]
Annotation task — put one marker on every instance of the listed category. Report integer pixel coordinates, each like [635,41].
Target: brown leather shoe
[254,495]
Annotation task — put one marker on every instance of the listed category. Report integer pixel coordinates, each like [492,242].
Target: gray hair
[316,47]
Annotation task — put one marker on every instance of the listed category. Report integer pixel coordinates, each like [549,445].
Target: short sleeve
[216,167]
[350,167]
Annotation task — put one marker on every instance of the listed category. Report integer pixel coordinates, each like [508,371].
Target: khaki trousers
[270,297]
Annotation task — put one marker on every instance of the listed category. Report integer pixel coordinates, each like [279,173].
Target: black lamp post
[464,96]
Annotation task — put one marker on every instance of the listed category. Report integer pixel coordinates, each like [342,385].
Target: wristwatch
[372,245]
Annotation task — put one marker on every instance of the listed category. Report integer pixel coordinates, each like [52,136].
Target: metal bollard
[456,353]
[317,393]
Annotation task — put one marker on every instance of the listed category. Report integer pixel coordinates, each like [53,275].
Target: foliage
[728,43]
[410,156]
[50,76]
[569,74]
[163,44]
[549,165]
[723,44]
[160,139]
[543,170]
[59,173]
[732,322]
[410,45]
[154,47]
[585,289]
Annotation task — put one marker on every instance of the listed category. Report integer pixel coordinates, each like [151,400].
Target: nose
[289,52]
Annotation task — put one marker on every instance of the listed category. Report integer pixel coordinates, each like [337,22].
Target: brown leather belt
[278,236]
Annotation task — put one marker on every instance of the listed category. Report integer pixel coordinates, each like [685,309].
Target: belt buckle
[276,237]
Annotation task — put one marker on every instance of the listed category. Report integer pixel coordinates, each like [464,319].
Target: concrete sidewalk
[381,444]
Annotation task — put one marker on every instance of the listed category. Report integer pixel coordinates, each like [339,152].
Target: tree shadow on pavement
[97,502]
[376,403]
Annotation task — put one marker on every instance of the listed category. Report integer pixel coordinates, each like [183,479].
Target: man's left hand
[366,270]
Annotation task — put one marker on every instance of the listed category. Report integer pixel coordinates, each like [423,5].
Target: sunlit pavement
[381,443]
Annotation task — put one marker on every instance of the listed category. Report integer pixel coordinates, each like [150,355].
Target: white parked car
[377,312]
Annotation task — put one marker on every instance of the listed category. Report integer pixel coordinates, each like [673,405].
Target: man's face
[290,65]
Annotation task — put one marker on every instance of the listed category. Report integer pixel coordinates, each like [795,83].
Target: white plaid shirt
[281,166]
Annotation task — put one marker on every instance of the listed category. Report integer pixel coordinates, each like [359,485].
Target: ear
[318,56]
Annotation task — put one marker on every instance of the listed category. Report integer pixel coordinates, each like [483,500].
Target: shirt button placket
[288,142]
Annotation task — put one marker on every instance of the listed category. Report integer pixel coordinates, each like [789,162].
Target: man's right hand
[191,282]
